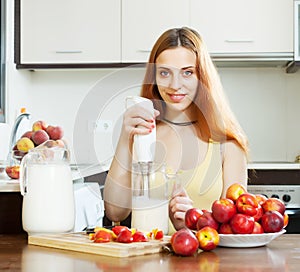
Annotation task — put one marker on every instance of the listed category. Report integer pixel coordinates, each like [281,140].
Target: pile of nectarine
[123,234]
[240,212]
[40,133]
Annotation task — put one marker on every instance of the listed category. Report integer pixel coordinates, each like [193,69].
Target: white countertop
[84,170]
[78,172]
[274,165]
[8,185]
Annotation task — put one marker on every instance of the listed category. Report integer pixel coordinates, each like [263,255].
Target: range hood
[282,60]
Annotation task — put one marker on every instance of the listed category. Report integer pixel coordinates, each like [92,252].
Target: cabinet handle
[68,51]
[239,41]
[144,50]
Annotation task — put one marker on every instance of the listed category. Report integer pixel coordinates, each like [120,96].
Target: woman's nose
[176,83]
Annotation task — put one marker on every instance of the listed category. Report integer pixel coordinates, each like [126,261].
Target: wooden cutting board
[80,242]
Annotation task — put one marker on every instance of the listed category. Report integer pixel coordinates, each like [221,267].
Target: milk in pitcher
[48,205]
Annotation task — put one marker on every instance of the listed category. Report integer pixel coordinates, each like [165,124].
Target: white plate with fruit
[241,219]
[248,240]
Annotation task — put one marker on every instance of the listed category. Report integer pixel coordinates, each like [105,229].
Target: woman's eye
[164,73]
[187,73]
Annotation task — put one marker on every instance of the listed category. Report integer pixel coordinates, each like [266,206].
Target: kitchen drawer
[11,212]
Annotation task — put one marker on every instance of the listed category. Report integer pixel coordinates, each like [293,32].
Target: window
[2,61]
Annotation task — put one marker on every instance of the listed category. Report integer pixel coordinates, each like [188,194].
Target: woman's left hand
[179,204]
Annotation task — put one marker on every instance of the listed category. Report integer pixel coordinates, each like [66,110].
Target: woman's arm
[234,166]
[234,171]
[117,189]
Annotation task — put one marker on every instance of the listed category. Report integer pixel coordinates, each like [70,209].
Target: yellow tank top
[204,184]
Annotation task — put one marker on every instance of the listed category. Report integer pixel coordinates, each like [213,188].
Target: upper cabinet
[242,26]
[97,33]
[144,21]
[297,30]
[69,31]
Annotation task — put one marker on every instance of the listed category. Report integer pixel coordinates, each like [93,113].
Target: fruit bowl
[248,240]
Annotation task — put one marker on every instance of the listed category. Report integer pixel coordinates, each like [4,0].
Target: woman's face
[176,77]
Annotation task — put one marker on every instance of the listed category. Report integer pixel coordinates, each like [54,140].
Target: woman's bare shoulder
[231,148]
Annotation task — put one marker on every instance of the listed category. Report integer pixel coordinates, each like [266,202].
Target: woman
[197,133]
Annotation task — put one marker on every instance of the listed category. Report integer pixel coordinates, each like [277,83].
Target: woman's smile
[176,98]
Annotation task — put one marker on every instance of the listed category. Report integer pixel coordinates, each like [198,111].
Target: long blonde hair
[215,119]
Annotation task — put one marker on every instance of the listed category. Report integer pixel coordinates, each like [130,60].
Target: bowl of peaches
[241,219]
[40,134]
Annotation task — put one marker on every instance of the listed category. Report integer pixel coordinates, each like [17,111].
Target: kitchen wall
[265,100]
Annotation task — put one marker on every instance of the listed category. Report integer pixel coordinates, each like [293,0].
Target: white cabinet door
[243,26]
[70,31]
[297,30]
[143,21]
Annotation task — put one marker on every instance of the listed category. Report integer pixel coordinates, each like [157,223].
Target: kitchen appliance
[150,205]
[47,188]
[284,184]
[143,145]
[149,191]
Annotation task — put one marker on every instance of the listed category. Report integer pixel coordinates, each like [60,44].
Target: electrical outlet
[103,126]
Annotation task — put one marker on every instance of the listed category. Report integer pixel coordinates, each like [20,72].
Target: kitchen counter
[8,185]
[79,172]
[282,254]
[274,165]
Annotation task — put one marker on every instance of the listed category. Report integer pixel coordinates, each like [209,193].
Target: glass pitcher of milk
[150,205]
[47,188]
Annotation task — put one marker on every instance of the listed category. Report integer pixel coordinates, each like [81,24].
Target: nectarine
[184,242]
[25,144]
[40,136]
[55,132]
[13,171]
[37,125]
[234,191]
[208,238]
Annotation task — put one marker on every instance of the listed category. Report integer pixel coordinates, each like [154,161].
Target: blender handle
[23,175]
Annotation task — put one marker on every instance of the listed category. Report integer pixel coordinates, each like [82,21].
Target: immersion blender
[143,145]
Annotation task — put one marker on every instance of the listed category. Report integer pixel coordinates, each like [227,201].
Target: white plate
[248,240]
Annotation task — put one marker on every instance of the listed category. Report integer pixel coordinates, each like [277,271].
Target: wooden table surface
[282,254]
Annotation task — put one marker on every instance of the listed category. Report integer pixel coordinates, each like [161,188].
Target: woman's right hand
[138,120]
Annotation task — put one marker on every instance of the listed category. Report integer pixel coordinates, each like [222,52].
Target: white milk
[149,214]
[48,205]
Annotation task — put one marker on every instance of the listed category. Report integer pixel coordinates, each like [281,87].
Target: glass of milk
[150,198]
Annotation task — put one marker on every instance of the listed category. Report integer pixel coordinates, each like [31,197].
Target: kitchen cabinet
[297,30]
[116,33]
[144,21]
[68,32]
[241,27]
[10,212]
